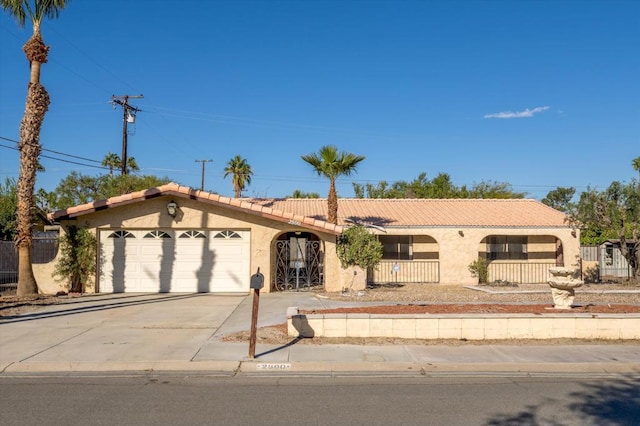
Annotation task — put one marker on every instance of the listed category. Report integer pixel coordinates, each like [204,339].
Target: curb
[266,369]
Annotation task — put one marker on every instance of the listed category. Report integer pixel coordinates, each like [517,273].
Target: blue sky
[538,94]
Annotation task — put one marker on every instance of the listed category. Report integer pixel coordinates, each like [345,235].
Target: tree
[36,106]
[330,163]
[492,189]
[8,206]
[77,188]
[440,186]
[112,161]
[358,247]
[241,174]
[613,212]
[77,258]
[132,165]
[636,164]
[301,194]
[560,199]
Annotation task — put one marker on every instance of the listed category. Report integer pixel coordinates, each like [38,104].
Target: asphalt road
[204,400]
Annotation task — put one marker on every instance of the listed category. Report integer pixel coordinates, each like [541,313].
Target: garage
[174,260]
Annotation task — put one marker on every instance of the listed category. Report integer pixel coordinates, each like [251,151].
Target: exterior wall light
[461,233]
[172,208]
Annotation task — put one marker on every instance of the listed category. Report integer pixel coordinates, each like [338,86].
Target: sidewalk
[181,332]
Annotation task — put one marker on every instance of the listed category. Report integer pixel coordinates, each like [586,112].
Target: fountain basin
[563,285]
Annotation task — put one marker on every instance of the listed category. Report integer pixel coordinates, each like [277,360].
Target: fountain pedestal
[563,285]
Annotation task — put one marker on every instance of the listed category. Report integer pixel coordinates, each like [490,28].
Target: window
[396,247]
[227,234]
[121,234]
[157,235]
[507,247]
[192,234]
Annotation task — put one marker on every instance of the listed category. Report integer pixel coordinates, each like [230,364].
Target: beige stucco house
[177,239]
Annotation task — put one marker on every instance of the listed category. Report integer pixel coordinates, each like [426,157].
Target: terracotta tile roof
[175,190]
[429,212]
[388,213]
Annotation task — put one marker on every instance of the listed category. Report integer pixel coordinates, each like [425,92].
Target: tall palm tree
[330,163]
[112,161]
[241,174]
[132,165]
[36,107]
[636,164]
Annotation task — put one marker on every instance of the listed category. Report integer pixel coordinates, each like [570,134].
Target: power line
[60,159]
[50,150]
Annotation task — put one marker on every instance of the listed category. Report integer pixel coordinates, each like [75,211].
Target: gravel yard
[628,294]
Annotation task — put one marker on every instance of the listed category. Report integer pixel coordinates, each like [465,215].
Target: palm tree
[112,161]
[36,107]
[132,166]
[241,172]
[330,163]
[636,164]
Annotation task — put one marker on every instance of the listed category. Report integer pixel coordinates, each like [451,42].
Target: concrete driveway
[133,328]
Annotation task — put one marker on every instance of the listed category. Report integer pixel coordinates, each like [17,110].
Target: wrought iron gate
[299,264]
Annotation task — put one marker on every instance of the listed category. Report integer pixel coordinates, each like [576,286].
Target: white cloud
[521,114]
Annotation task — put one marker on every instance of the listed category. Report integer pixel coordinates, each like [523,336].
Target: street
[180,399]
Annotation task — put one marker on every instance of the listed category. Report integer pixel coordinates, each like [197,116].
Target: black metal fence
[43,250]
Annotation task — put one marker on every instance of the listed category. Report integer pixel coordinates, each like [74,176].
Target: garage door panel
[146,262]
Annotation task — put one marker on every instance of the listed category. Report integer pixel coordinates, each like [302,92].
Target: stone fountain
[563,285]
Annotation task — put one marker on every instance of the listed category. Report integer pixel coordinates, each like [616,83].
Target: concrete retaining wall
[470,326]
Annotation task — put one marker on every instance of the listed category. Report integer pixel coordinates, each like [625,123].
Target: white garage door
[166,260]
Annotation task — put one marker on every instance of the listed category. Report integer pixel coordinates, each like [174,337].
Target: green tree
[45,200]
[77,188]
[492,189]
[358,247]
[8,206]
[112,161]
[614,212]
[301,194]
[132,165]
[36,106]
[77,257]
[560,199]
[636,164]
[441,186]
[330,163]
[240,172]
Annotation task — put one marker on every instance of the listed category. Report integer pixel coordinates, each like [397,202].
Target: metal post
[256,283]
[254,323]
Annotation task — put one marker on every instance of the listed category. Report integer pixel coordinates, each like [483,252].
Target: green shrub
[358,247]
[77,257]
[478,268]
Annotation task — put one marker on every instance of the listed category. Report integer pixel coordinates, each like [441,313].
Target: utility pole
[203,161]
[129,116]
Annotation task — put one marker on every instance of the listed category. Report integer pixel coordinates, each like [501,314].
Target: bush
[358,247]
[78,257]
[478,268]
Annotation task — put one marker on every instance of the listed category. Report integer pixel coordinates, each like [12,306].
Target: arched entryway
[523,259]
[299,261]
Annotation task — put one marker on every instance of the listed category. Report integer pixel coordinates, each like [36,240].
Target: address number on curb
[283,366]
